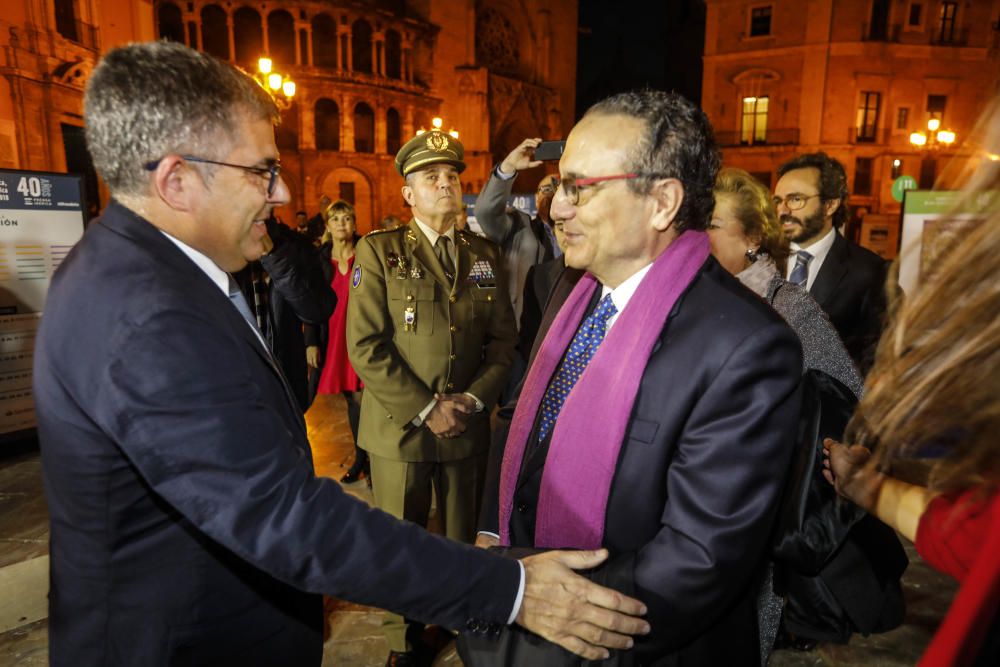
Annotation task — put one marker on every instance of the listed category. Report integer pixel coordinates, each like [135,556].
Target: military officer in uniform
[432,336]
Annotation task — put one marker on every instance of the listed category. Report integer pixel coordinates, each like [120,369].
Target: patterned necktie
[581,350]
[800,273]
[443,252]
[260,300]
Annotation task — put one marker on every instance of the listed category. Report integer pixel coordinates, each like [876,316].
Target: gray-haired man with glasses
[845,279]
[187,523]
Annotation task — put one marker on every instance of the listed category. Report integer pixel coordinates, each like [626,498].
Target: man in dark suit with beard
[659,411]
[187,523]
[846,280]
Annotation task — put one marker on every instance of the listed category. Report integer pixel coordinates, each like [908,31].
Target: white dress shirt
[818,250]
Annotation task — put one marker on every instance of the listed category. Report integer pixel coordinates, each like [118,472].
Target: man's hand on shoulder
[577,614]
[521,158]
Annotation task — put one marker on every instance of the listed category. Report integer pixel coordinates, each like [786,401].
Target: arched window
[286,134]
[281,38]
[393,131]
[361,46]
[393,55]
[324,41]
[327,125]
[214,32]
[170,22]
[249,35]
[364,128]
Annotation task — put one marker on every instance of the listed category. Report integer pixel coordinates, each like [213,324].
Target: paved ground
[355,638]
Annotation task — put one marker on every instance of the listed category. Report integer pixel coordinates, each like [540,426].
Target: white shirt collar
[818,250]
[621,295]
[433,235]
[210,268]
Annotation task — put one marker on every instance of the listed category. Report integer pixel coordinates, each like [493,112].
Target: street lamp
[931,141]
[281,86]
[934,138]
[437,123]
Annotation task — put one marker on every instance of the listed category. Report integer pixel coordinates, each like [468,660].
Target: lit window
[946,25]
[868,109]
[753,122]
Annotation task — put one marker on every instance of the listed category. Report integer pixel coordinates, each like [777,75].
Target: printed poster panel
[933,221]
[41,218]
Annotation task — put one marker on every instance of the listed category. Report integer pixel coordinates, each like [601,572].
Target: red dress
[961,537]
[338,375]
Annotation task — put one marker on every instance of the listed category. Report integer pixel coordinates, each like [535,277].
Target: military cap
[431,147]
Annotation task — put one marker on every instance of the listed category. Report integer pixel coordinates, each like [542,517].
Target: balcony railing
[950,37]
[877,136]
[777,137]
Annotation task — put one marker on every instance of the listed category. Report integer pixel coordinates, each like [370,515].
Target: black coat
[697,483]
[187,524]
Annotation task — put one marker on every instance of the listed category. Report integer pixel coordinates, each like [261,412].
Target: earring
[751,254]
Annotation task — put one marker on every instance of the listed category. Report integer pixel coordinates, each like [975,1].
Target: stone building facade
[853,78]
[369,74]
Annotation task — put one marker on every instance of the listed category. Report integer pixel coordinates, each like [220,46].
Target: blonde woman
[336,374]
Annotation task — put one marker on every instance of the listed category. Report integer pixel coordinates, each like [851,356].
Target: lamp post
[931,141]
[437,123]
[281,86]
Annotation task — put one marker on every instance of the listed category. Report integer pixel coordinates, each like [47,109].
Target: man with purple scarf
[658,415]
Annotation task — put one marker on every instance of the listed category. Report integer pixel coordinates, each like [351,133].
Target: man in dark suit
[187,524]
[846,280]
[538,285]
[681,423]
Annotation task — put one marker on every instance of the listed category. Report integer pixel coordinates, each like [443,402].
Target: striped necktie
[800,273]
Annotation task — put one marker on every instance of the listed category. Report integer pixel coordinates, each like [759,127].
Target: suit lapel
[831,273]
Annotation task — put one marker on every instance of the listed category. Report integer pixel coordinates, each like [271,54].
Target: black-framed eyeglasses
[270,172]
[571,187]
[794,201]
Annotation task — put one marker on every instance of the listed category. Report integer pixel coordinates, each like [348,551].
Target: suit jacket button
[522,508]
[409,297]
[452,357]
[449,386]
[388,416]
[489,297]
[453,328]
[453,298]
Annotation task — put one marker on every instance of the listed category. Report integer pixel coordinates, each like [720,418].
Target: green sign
[901,185]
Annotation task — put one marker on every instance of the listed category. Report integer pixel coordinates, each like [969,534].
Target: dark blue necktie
[800,273]
[581,350]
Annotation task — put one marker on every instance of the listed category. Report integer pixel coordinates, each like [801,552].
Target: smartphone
[550,150]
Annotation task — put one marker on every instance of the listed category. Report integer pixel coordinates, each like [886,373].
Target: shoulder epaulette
[375,232]
[472,235]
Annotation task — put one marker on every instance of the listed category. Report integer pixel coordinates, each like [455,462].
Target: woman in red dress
[934,395]
[337,376]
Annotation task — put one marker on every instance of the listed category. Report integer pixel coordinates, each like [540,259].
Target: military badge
[482,274]
[356,277]
[437,141]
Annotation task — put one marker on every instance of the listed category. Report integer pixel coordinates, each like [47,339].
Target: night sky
[628,44]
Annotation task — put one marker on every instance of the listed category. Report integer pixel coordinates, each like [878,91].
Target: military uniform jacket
[412,333]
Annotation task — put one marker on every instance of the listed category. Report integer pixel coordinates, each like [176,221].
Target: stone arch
[324,41]
[248,35]
[393,54]
[170,23]
[327,118]
[361,46]
[364,202]
[281,38]
[215,32]
[364,128]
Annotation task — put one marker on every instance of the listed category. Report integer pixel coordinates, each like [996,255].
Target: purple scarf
[588,434]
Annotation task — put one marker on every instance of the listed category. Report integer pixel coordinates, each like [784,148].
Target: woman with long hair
[932,401]
[337,376]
